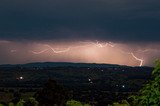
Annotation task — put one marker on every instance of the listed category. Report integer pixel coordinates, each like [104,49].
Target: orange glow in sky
[86,52]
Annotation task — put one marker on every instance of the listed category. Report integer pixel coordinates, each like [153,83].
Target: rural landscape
[79,52]
[77,84]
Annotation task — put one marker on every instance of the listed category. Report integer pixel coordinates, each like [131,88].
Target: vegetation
[75,103]
[123,103]
[32,102]
[149,95]
[53,94]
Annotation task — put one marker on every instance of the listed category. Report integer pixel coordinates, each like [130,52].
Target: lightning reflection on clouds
[82,51]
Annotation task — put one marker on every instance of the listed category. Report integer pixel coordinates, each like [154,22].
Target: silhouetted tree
[3,104]
[16,97]
[75,103]
[51,94]
[31,102]
[149,95]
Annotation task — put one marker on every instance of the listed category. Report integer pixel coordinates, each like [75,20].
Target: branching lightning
[141,60]
[39,52]
[50,48]
[90,43]
[100,45]
[136,58]
[147,50]
[86,45]
[97,44]
[58,51]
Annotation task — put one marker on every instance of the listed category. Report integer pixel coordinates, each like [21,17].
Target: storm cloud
[110,20]
[122,32]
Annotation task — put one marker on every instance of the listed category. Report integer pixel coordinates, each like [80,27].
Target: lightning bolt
[141,60]
[58,51]
[147,50]
[89,43]
[50,48]
[136,58]
[111,44]
[39,52]
[97,44]
[100,45]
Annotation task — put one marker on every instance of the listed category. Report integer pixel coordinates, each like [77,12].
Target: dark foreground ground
[99,85]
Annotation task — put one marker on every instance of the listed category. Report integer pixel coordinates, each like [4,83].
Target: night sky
[125,32]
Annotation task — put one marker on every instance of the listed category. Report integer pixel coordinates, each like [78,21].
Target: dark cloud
[115,20]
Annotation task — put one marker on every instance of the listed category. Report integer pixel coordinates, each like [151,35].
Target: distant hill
[60,64]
